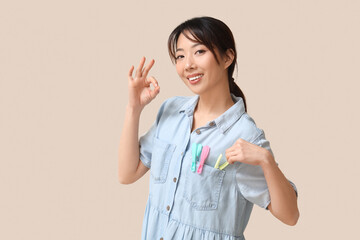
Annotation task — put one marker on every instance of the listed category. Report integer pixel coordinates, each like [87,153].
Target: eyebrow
[195,45]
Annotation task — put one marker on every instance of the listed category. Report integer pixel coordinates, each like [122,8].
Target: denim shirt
[215,204]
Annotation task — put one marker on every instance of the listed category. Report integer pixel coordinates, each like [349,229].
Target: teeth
[194,78]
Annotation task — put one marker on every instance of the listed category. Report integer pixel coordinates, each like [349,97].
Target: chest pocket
[202,191]
[160,160]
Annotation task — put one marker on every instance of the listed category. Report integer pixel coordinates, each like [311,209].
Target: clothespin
[194,153]
[204,154]
[218,161]
[224,165]
[198,151]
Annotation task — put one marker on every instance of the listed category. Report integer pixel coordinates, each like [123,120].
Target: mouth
[195,78]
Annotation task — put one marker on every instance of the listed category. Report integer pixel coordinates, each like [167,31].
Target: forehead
[186,39]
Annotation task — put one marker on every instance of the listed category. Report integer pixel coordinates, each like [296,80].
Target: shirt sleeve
[251,179]
[146,141]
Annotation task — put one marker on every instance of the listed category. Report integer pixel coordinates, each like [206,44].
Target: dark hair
[212,33]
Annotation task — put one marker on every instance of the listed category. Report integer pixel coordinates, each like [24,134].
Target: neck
[214,103]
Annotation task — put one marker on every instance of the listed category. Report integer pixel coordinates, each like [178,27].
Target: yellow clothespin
[218,161]
[224,165]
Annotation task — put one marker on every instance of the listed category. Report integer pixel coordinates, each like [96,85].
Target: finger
[131,72]
[153,81]
[229,154]
[230,149]
[236,154]
[234,158]
[155,92]
[140,67]
[231,160]
[240,140]
[148,67]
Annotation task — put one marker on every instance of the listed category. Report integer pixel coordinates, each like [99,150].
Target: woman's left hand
[246,152]
[283,198]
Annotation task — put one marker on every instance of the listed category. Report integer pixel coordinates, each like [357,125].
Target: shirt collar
[225,120]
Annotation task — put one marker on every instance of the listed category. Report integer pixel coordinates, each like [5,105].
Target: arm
[130,168]
[283,198]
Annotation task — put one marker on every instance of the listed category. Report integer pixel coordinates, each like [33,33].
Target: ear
[229,57]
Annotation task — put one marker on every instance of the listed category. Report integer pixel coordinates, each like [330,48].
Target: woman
[191,196]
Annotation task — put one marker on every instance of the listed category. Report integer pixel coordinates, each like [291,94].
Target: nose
[189,64]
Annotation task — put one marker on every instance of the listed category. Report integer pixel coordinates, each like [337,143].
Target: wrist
[133,110]
[267,159]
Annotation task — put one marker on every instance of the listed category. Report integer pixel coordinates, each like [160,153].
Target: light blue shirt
[215,204]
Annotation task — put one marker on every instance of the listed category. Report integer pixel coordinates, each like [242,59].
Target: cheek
[179,69]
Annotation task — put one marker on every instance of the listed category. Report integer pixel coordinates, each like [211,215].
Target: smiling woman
[206,34]
[195,193]
[198,67]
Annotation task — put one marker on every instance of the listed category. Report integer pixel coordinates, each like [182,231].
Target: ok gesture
[140,92]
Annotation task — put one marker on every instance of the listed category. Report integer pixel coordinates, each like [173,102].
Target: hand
[140,93]
[246,152]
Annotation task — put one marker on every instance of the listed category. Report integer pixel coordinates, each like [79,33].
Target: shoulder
[249,128]
[175,103]
[172,105]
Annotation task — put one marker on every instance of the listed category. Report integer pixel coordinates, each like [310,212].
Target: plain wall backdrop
[63,92]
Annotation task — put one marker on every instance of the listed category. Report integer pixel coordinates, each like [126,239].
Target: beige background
[63,91]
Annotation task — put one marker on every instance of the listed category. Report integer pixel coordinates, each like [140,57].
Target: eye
[201,51]
[179,57]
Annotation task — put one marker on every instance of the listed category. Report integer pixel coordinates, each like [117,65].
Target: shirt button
[161,238]
[198,131]
[168,207]
[211,124]
[174,179]
[182,153]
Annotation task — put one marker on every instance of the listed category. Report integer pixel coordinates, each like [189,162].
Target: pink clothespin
[204,154]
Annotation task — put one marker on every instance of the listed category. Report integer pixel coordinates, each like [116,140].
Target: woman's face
[198,68]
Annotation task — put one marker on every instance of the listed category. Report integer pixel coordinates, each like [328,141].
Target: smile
[195,78]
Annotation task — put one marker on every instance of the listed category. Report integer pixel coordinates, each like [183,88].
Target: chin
[196,91]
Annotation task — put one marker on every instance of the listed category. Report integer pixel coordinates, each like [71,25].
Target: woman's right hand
[140,92]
